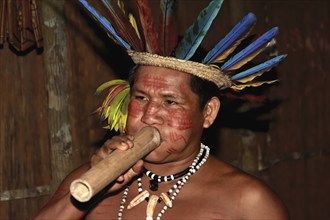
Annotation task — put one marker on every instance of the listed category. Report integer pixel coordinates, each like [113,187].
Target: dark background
[46,97]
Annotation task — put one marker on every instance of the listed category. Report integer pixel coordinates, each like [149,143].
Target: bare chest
[179,210]
[199,205]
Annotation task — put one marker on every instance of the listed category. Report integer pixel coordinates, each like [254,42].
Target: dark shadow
[38,50]
[113,54]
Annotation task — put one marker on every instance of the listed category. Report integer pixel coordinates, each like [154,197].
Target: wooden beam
[24,193]
[56,68]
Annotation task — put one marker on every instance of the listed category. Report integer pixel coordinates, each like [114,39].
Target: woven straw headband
[206,72]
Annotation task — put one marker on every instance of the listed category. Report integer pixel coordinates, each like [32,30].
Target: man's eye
[142,98]
[170,102]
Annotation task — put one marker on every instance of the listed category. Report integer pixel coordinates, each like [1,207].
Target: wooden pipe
[114,165]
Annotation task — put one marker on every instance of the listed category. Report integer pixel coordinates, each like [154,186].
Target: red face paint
[179,119]
[171,151]
[162,98]
[175,138]
[135,109]
[154,82]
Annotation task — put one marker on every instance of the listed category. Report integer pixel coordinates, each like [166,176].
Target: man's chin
[155,157]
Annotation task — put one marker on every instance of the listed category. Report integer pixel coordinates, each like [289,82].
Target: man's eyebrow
[170,95]
[134,89]
[163,94]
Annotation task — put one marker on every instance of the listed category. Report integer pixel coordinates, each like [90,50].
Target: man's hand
[121,142]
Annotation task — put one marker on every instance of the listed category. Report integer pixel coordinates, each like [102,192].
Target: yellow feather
[121,5]
[245,60]
[254,84]
[132,20]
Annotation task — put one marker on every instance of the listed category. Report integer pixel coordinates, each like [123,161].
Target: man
[163,98]
[179,179]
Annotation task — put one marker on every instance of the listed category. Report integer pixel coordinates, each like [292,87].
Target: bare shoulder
[246,195]
[257,199]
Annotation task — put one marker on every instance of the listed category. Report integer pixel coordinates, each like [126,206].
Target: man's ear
[210,111]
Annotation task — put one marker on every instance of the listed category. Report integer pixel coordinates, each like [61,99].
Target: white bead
[174,191]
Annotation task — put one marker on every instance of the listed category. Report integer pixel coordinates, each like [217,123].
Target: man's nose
[152,114]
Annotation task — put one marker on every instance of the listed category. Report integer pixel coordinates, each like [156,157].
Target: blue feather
[196,32]
[105,24]
[261,67]
[237,32]
[256,45]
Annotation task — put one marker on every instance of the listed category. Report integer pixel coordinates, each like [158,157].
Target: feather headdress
[222,65]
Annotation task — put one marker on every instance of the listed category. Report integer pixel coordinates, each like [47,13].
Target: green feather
[114,108]
[109,84]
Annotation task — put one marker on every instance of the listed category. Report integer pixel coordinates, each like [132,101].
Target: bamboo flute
[114,165]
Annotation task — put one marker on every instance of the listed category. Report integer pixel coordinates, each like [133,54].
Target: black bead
[153,185]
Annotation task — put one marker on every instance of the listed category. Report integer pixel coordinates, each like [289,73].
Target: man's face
[162,98]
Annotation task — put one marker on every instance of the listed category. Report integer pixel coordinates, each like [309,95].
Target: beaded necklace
[170,195]
[155,179]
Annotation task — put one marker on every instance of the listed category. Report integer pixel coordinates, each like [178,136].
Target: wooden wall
[46,98]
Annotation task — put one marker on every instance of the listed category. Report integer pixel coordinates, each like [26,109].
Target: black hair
[203,88]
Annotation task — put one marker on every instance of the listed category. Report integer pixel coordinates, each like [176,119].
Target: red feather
[169,31]
[147,23]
